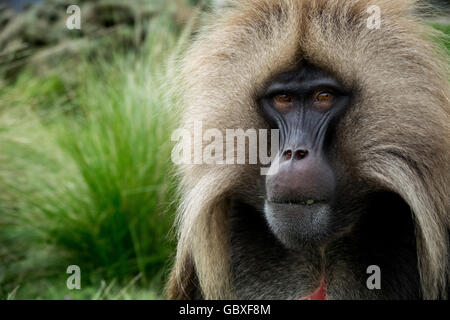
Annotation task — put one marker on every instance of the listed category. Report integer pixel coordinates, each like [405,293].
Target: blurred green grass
[85,174]
[84,178]
[445,38]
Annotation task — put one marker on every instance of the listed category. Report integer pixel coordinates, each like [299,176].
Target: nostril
[301,154]
[287,154]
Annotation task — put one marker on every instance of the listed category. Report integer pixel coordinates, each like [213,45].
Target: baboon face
[363,160]
[301,200]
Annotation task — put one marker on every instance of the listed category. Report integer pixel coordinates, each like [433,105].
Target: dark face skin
[305,106]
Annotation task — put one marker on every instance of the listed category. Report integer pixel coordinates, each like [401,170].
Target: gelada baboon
[363,186]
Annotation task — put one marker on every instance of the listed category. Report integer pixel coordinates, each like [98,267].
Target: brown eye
[323,99]
[324,96]
[283,101]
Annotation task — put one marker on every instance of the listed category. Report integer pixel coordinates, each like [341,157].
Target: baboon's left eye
[323,99]
[324,96]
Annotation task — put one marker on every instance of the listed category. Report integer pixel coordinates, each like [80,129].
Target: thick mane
[395,70]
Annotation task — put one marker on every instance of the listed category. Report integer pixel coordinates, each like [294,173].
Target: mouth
[299,212]
[299,202]
[297,222]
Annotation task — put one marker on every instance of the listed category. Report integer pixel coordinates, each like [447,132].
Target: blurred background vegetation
[85,123]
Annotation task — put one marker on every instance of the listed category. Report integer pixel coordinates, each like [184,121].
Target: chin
[296,225]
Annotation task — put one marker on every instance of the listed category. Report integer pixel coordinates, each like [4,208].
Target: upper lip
[300,201]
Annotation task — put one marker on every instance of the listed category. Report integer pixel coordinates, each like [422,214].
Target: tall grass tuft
[85,180]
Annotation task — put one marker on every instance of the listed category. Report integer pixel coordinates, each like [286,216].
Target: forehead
[303,73]
[302,78]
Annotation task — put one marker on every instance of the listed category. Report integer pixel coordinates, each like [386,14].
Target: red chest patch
[319,294]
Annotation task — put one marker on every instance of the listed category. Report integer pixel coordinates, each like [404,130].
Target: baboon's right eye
[283,101]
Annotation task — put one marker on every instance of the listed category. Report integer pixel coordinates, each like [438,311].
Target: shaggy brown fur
[396,135]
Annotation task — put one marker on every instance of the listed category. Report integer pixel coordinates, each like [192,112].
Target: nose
[302,174]
[298,154]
